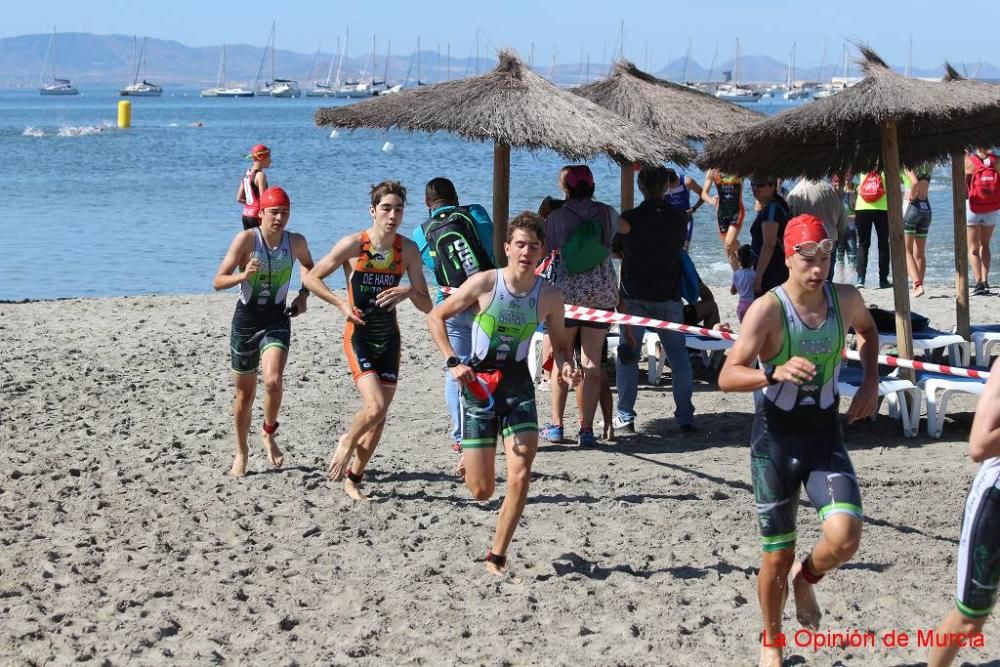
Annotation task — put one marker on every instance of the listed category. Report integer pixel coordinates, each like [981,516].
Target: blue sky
[568,28]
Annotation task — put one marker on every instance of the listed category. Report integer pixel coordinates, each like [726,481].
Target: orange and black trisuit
[374,347]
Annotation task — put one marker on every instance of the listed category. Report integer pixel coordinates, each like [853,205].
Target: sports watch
[769,375]
[451,362]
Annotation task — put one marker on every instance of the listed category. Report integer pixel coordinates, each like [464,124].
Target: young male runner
[261,329]
[253,183]
[797,330]
[498,394]
[378,258]
[979,549]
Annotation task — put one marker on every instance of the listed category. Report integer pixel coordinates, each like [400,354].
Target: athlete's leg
[731,245]
[772,592]
[954,624]
[365,449]
[246,389]
[591,342]
[520,451]
[272,362]
[369,417]
[911,259]
[920,259]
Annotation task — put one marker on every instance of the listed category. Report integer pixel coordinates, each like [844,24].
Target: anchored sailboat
[140,88]
[275,87]
[221,89]
[58,86]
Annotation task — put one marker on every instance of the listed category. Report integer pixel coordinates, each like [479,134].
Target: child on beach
[253,183]
[743,278]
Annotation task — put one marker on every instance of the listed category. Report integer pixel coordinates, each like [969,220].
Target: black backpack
[455,247]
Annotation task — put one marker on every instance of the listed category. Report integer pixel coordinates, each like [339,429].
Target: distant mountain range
[101,60]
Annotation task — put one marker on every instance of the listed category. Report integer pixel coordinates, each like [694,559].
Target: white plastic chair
[901,397]
[937,390]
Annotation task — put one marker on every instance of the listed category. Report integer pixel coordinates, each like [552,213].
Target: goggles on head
[810,248]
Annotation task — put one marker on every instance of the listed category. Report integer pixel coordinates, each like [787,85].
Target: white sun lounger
[985,337]
[925,342]
[937,390]
[655,357]
[901,396]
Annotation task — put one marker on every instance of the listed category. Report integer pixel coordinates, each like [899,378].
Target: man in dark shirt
[650,241]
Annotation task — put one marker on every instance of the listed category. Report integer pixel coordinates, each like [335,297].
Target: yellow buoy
[124,114]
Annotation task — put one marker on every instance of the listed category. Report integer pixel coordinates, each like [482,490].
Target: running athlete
[678,196]
[261,329]
[254,182]
[979,548]
[376,260]
[797,330]
[498,395]
[728,203]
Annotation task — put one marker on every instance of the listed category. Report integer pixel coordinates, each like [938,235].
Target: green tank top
[502,333]
[812,406]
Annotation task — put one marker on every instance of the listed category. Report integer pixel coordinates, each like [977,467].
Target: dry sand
[124,540]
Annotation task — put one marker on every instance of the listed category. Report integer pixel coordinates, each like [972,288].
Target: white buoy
[334,134]
[388,147]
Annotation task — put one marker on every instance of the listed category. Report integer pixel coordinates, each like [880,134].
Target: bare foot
[340,460]
[770,656]
[274,454]
[609,431]
[460,466]
[354,490]
[918,291]
[239,468]
[806,607]
[493,568]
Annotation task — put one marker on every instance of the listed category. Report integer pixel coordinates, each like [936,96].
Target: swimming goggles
[810,248]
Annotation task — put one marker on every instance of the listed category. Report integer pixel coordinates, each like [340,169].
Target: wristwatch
[769,374]
[452,362]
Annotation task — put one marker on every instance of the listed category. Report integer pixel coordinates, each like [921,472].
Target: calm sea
[97,211]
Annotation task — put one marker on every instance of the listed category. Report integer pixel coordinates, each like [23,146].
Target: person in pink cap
[253,183]
[260,261]
[797,331]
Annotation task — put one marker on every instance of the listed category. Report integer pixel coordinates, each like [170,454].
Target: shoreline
[131,543]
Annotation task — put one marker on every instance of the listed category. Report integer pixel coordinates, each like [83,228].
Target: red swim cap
[259,152]
[274,197]
[803,228]
[578,173]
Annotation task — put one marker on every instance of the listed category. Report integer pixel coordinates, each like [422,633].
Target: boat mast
[273,27]
[418,61]
[687,60]
[822,67]
[385,71]
[53,54]
[715,57]
[448,64]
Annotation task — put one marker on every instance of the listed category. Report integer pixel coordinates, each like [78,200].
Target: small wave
[33,132]
[84,130]
[173,125]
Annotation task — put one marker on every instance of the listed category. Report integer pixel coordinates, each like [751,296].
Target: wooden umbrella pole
[501,199]
[961,245]
[894,202]
[628,188]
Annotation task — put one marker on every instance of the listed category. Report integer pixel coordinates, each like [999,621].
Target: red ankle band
[809,574]
[270,428]
[354,477]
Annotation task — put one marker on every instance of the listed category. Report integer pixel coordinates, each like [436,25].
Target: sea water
[95,211]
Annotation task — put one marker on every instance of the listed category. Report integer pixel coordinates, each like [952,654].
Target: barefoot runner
[797,330]
[979,549]
[261,330]
[510,303]
[377,259]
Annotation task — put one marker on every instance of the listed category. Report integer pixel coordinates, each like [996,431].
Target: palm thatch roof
[842,132]
[511,105]
[669,109]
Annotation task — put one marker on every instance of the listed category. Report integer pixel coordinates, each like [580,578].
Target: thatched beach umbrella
[511,106]
[876,124]
[668,109]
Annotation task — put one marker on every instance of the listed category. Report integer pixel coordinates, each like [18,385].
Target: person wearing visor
[498,396]
[253,183]
[797,332]
[261,329]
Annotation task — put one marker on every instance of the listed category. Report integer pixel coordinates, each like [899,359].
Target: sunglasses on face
[810,248]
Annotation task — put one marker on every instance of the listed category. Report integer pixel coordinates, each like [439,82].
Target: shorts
[367,359]
[254,331]
[568,323]
[726,222]
[984,219]
[979,548]
[917,218]
[781,464]
[513,410]
[249,222]
[742,307]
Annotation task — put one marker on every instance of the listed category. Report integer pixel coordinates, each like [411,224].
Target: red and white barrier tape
[596,315]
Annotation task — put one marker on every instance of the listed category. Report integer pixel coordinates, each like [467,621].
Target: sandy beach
[126,542]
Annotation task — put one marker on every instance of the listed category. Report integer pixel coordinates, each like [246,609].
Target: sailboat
[360,88]
[326,88]
[276,87]
[221,90]
[143,88]
[734,92]
[794,91]
[58,86]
